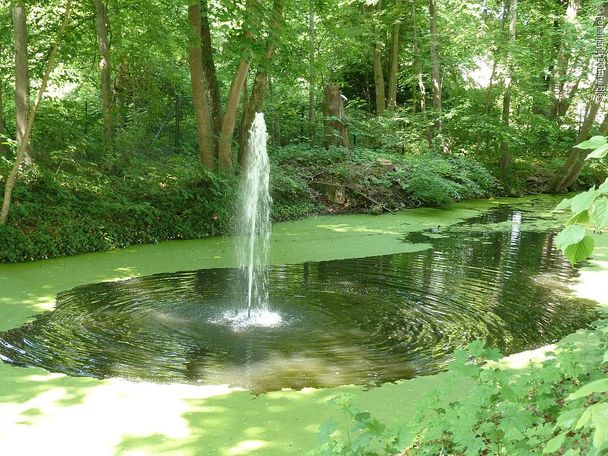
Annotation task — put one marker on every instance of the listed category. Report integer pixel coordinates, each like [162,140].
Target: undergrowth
[559,407]
[67,204]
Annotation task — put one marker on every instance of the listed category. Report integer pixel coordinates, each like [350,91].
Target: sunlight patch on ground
[525,359]
[593,282]
[246,446]
[107,413]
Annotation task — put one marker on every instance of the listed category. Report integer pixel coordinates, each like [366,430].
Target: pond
[496,277]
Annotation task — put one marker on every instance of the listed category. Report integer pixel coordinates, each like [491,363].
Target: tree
[213,88]
[562,91]
[3,132]
[394,68]
[336,132]
[22,144]
[256,100]
[101,27]
[311,72]
[436,75]
[506,99]
[572,167]
[420,76]
[22,80]
[378,66]
[199,98]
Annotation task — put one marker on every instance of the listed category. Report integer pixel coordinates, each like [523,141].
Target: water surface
[497,277]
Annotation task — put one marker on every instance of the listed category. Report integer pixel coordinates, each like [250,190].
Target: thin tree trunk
[336,133]
[488,102]
[505,156]
[378,68]
[213,89]
[22,145]
[394,69]
[260,82]
[575,163]
[560,91]
[421,87]
[101,26]
[199,99]
[603,130]
[119,93]
[311,72]
[22,80]
[3,135]
[436,75]
[229,118]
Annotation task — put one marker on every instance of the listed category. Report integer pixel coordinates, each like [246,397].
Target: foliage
[558,407]
[362,434]
[79,208]
[589,211]
[427,179]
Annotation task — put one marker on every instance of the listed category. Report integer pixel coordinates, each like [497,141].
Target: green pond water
[371,320]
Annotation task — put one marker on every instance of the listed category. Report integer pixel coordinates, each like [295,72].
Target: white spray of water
[254,221]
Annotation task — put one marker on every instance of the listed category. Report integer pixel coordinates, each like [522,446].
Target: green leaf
[565,204]
[599,213]
[603,189]
[580,251]
[555,443]
[599,420]
[583,201]
[592,143]
[600,152]
[326,430]
[581,218]
[598,386]
[567,419]
[570,235]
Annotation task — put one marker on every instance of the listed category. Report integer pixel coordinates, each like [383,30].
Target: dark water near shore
[497,277]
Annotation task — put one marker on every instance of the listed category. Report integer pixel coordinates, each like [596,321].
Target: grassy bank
[66,207]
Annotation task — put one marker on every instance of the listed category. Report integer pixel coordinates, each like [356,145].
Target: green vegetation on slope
[65,206]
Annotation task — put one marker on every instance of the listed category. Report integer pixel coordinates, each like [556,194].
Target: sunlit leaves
[600,152]
[598,386]
[583,201]
[570,235]
[592,143]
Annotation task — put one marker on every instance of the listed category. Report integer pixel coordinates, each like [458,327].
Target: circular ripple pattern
[363,321]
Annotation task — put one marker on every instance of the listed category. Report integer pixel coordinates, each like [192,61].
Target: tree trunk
[22,80]
[22,145]
[394,69]
[3,135]
[119,94]
[311,72]
[505,156]
[575,163]
[101,26]
[436,75]
[260,82]
[604,126]
[199,99]
[378,68]
[336,133]
[421,87]
[559,85]
[213,89]
[229,118]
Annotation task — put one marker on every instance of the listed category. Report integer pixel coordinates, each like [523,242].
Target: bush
[559,407]
[55,214]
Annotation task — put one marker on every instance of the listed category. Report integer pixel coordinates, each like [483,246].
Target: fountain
[253,234]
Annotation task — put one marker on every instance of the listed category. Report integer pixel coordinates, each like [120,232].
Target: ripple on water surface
[363,321]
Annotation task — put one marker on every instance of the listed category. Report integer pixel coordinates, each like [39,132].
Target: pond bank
[45,412]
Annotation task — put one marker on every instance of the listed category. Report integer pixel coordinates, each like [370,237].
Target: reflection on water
[364,321]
